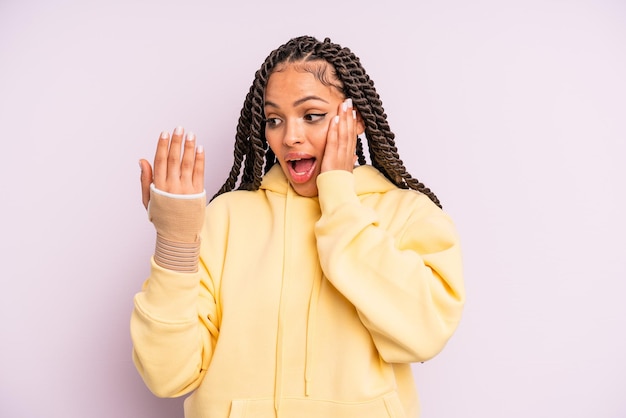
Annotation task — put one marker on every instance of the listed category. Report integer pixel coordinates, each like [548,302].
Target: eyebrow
[298,102]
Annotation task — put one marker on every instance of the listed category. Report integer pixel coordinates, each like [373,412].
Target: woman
[309,288]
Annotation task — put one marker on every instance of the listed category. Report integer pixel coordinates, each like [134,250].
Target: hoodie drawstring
[280,337]
[311,321]
[310,329]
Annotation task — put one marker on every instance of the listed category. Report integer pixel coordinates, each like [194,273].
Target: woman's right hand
[174,173]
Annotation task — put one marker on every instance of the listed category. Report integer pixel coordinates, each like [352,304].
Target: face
[299,109]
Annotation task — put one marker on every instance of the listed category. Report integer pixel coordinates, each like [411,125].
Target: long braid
[241,147]
[251,145]
[359,152]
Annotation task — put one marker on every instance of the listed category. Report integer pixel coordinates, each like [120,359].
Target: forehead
[294,80]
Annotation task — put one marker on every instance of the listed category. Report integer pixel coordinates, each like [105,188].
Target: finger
[188,160]
[352,135]
[342,134]
[173,156]
[146,180]
[160,160]
[198,170]
[330,150]
[346,134]
[351,117]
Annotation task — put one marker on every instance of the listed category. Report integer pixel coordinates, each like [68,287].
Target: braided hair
[252,152]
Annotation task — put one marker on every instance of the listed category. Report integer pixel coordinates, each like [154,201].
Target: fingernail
[178,130]
[163,135]
[336,119]
[354,114]
[200,149]
[346,104]
[140,166]
[191,136]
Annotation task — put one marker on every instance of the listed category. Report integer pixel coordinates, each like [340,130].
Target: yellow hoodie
[304,307]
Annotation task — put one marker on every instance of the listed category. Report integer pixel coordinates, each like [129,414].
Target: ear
[360,125]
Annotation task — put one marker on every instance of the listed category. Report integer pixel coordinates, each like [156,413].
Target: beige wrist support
[177,256]
[178,222]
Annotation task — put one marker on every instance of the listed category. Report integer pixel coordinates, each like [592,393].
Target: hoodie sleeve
[174,327]
[404,279]
[172,331]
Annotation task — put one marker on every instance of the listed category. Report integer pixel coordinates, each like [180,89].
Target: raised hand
[178,166]
[339,153]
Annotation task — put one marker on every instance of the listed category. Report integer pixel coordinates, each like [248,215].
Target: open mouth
[303,165]
[301,169]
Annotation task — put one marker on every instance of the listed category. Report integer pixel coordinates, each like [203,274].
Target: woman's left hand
[340,151]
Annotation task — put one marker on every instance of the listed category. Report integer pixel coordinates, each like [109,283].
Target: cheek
[273,140]
[318,135]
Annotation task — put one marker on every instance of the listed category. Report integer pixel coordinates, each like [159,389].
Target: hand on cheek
[339,153]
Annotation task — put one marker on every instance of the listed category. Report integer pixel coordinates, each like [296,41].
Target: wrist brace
[178,220]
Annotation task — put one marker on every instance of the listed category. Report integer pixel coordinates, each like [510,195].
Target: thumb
[146,180]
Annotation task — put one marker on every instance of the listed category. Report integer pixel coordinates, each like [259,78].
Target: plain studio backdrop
[512,111]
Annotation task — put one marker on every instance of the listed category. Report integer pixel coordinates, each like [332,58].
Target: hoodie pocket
[387,406]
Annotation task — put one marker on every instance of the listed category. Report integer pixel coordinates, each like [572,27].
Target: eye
[314,117]
[272,122]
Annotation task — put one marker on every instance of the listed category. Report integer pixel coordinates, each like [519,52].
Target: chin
[304,191]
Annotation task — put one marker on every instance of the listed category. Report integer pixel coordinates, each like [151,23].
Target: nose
[294,133]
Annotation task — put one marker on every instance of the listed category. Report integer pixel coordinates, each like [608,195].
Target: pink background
[512,111]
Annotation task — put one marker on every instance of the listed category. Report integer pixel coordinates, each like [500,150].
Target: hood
[367,180]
